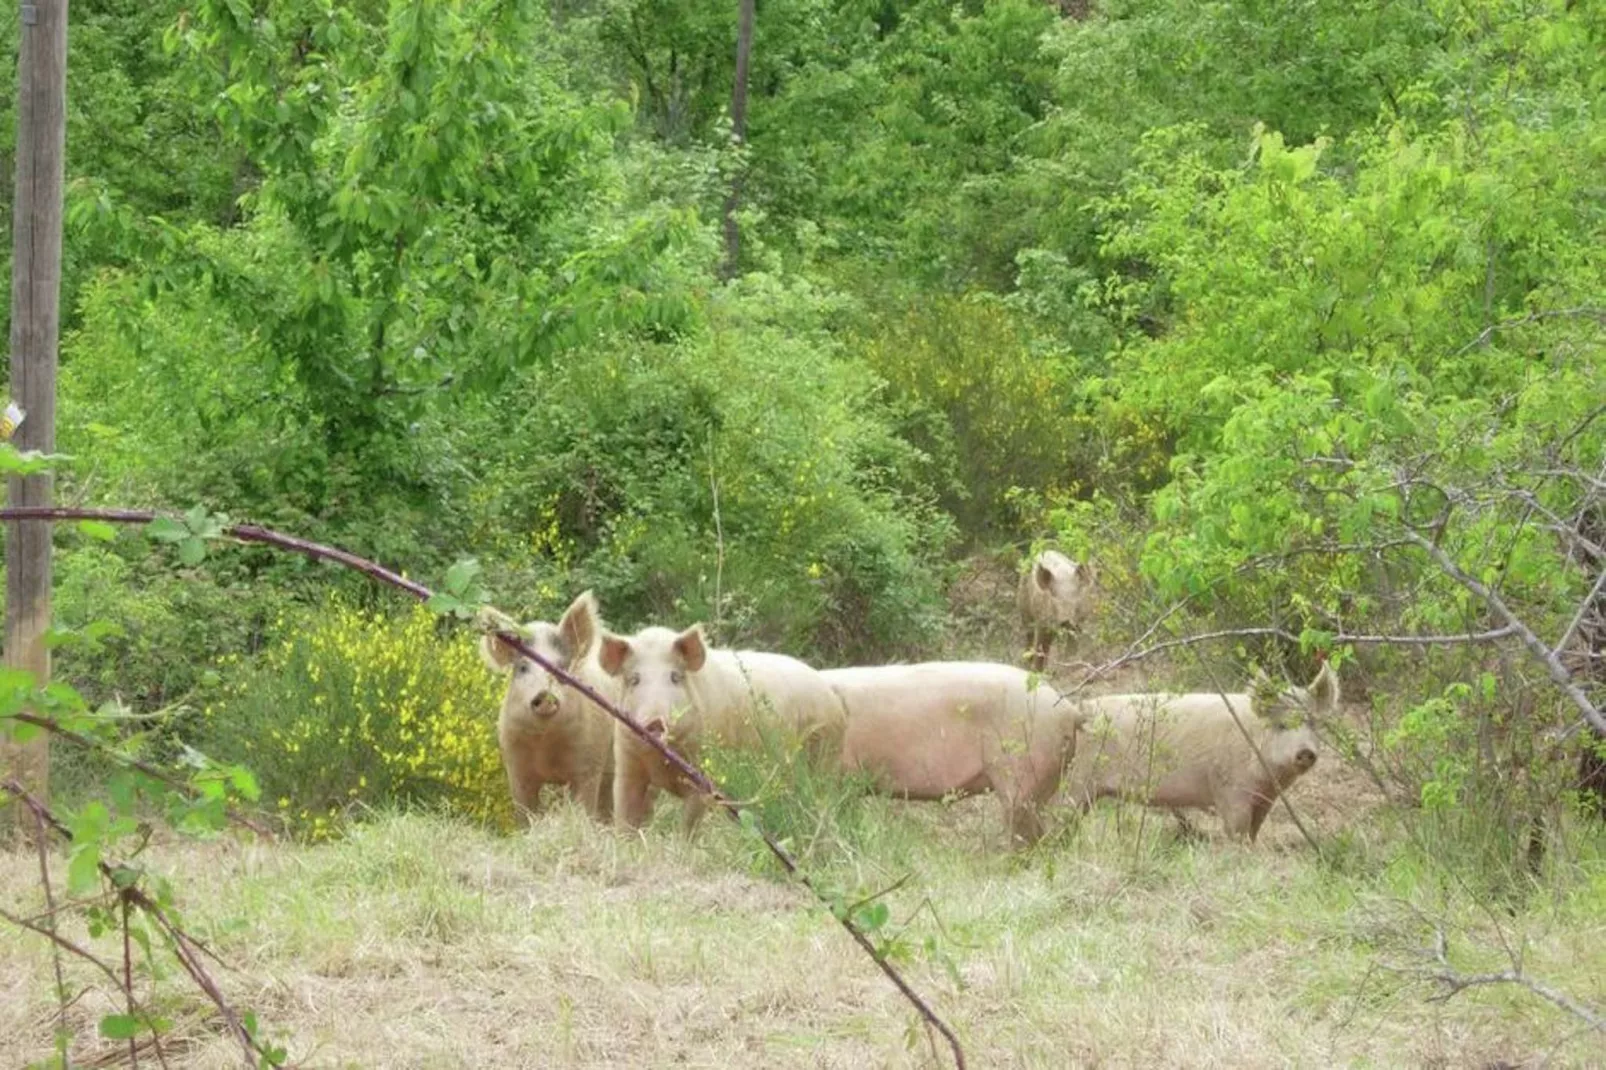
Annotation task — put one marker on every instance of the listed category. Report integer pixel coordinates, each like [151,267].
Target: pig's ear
[579,626]
[496,654]
[612,653]
[1323,691]
[1043,576]
[691,648]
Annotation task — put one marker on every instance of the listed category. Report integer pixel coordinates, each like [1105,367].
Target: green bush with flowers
[360,707]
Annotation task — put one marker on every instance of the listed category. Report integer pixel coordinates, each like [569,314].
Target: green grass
[420,941]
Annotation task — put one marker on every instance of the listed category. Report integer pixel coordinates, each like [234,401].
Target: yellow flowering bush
[365,707]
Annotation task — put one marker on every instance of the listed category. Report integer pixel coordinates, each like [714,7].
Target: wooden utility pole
[35,323]
[733,200]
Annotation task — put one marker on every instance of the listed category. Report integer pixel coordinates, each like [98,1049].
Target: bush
[1007,410]
[749,477]
[363,707]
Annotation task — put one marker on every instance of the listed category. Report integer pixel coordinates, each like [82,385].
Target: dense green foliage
[1263,305]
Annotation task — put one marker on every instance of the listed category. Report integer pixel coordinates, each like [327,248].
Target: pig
[1187,751]
[947,729]
[549,733]
[680,689]
[1056,594]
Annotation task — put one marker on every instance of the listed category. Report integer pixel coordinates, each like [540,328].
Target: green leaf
[444,604]
[97,529]
[83,870]
[872,917]
[166,529]
[244,783]
[119,1027]
[192,551]
[461,575]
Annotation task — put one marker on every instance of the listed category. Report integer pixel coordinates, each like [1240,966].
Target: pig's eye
[677,677]
[633,679]
[521,668]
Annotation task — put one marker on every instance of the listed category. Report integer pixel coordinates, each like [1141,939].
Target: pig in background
[549,733]
[1056,595]
[1188,751]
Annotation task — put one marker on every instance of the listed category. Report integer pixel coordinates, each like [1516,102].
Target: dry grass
[419,942]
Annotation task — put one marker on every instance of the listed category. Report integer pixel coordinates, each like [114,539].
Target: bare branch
[1497,605]
[1583,611]
[1453,982]
[1585,312]
[1131,656]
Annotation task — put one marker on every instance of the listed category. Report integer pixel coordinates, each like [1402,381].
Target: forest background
[1288,316]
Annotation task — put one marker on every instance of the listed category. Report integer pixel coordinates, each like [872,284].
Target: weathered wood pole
[35,323]
[733,199]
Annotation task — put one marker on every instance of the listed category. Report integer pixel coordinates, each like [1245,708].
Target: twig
[128,983]
[1534,317]
[184,945]
[1337,639]
[1583,611]
[41,840]
[64,944]
[1455,983]
[254,534]
[55,727]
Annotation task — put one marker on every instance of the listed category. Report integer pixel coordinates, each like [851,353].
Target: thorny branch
[40,840]
[254,534]
[56,728]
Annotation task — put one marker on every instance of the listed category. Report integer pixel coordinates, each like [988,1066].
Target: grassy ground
[419,942]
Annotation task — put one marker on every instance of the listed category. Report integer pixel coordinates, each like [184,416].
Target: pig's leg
[632,799]
[587,790]
[525,787]
[693,807]
[1236,807]
[1259,807]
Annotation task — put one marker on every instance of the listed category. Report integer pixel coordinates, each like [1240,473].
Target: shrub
[366,707]
[1008,408]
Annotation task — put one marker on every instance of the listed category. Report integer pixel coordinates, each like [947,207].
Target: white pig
[956,728]
[679,688]
[1056,594]
[1188,751]
[550,733]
